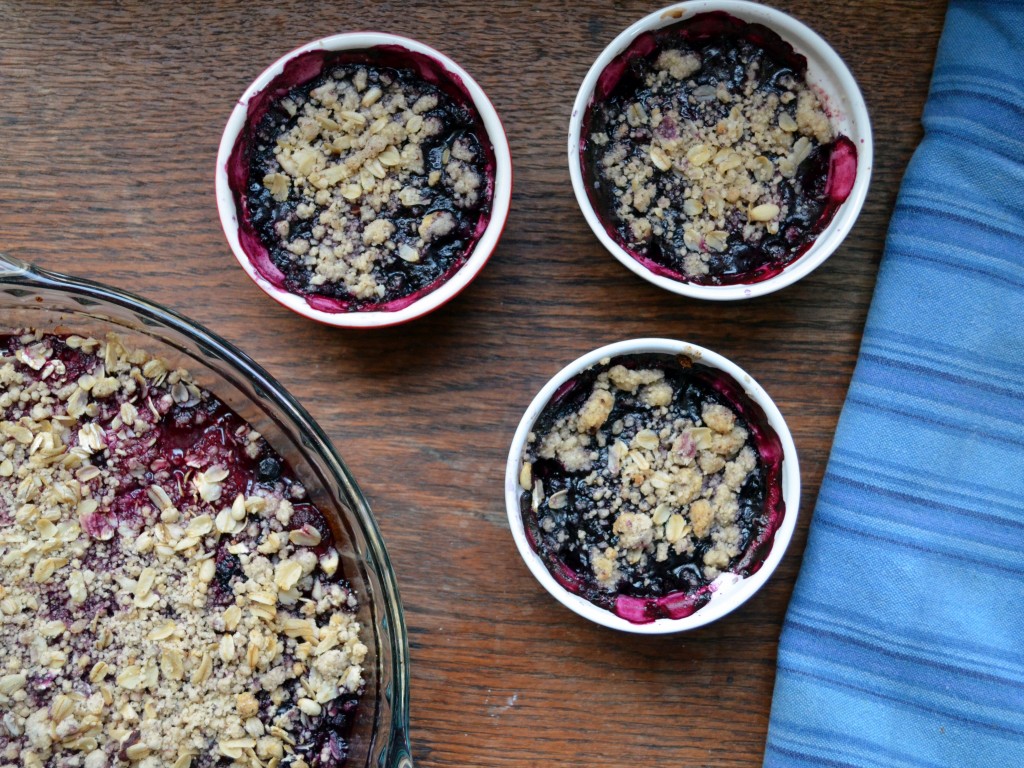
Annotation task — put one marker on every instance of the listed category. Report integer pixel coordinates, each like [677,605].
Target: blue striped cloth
[904,641]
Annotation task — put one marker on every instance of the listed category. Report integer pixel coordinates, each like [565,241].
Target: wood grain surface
[110,117]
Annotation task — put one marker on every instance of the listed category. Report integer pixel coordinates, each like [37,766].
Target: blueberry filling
[364,179]
[709,157]
[645,479]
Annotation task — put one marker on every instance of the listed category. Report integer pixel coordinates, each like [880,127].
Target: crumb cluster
[694,162]
[641,477]
[151,616]
[375,175]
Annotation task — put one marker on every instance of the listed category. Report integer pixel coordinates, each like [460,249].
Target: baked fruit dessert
[646,478]
[364,179]
[169,596]
[709,157]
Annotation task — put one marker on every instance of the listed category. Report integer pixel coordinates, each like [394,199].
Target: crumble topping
[639,481]
[369,171]
[699,152]
[161,604]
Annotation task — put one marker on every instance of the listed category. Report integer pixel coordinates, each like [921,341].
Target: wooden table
[109,123]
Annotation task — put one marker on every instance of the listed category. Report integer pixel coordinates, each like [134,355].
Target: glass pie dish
[54,303]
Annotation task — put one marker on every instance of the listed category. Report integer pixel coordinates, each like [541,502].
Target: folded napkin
[904,640]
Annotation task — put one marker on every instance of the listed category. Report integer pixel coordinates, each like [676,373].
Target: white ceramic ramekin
[485,244]
[730,590]
[826,72]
